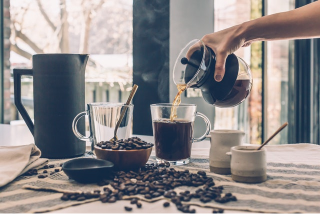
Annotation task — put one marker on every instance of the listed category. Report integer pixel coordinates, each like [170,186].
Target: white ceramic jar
[221,142]
[248,165]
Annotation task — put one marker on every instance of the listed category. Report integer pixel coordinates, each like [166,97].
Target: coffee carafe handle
[17,73]
[208,129]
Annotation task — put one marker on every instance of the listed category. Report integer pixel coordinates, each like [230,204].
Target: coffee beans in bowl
[126,154]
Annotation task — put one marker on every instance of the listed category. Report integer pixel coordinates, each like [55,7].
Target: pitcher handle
[208,124]
[75,129]
[17,73]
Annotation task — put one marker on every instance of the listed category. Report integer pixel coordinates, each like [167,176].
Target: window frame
[1,64]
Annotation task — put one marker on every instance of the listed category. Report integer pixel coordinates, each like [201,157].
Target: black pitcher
[59,95]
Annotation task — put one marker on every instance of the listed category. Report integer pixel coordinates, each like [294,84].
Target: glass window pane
[247,116]
[277,78]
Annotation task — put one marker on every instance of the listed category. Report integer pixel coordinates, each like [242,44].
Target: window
[102,28]
[248,115]
[276,78]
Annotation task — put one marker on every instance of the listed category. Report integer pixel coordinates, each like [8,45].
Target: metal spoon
[274,134]
[125,107]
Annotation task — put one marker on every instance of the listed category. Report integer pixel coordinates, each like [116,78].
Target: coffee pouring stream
[197,71]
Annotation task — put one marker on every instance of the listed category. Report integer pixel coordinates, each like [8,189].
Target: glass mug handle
[208,124]
[75,129]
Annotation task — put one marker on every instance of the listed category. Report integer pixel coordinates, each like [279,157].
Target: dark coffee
[239,92]
[173,139]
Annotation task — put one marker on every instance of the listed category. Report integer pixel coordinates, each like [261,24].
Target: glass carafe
[197,71]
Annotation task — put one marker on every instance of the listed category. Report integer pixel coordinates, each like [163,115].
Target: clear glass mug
[173,139]
[103,118]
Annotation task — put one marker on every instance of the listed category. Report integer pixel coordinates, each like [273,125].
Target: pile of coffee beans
[154,181]
[125,144]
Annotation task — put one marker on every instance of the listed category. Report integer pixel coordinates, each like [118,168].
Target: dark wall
[150,59]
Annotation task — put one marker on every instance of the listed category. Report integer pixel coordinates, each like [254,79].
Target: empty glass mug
[173,139]
[103,118]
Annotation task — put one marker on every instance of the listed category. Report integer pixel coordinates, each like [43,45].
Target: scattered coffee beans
[31,172]
[217,211]
[154,181]
[128,208]
[166,204]
[139,205]
[125,144]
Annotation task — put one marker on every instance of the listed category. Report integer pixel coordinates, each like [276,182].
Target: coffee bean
[128,208]
[42,176]
[166,204]
[156,194]
[175,200]
[82,198]
[46,167]
[221,210]
[112,199]
[73,197]
[64,198]
[148,196]
[51,166]
[45,171]
[57,170]
[228,194]
[104,199]
[203,173]
[133,201]
[95,195]
[139,205]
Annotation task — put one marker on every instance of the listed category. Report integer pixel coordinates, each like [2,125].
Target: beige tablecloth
[293,185]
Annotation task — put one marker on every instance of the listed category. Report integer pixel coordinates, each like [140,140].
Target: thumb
[220,66]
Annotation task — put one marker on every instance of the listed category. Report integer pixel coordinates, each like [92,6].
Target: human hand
[223,43]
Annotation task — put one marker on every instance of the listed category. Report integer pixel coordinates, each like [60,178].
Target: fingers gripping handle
[17,73]
[75,129]
[208,125]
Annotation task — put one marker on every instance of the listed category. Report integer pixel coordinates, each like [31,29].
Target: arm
[303,22]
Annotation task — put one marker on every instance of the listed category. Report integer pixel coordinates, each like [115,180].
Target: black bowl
[87,170]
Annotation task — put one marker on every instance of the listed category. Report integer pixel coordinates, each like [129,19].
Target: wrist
[246,31]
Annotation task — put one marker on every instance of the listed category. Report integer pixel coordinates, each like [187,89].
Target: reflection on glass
[102,28]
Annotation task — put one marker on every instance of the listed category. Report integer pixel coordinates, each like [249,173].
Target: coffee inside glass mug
[173,138]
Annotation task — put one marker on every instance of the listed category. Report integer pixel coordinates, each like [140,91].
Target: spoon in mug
[132,93]
[274,134]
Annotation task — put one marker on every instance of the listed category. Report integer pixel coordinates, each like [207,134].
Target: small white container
[221,142]
[248,165]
